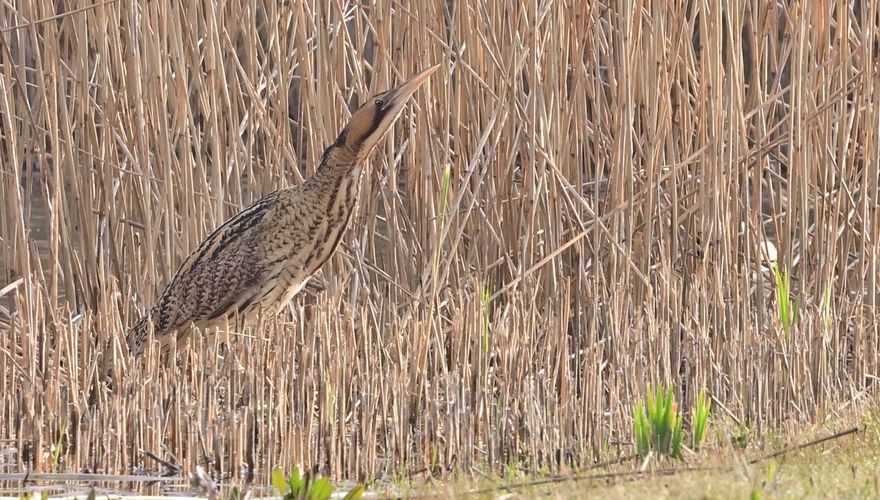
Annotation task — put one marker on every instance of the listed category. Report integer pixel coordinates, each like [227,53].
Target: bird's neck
[337,179]
[338,162]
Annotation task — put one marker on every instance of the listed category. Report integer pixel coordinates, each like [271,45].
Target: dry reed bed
[613,173]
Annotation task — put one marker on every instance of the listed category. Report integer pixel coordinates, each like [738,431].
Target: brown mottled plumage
[263,256]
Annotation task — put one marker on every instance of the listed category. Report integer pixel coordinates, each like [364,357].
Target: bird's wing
[224,268]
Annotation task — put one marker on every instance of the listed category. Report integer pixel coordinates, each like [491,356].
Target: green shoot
[660,428]
[56,449]
[280,483]
[444,191]
[321,489]
[444,205]
[786,306]
[701,419]
[356,493]
[642,430]
[299,486]
[772,470]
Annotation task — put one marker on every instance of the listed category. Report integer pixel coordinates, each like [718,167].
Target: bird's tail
[135,338]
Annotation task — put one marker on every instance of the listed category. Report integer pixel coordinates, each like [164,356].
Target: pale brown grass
[615,169]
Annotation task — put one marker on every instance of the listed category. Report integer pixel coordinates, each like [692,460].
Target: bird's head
[374,118]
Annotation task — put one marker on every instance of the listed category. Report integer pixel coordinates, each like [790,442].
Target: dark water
[37,221]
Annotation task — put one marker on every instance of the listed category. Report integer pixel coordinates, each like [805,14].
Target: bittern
[262,257]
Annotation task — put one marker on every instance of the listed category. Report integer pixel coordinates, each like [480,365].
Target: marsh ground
[839,459]
[794,466]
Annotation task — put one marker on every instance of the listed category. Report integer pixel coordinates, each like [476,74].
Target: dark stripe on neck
[328,162]
[340,140]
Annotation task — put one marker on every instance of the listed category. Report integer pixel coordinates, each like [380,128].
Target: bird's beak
[396,98]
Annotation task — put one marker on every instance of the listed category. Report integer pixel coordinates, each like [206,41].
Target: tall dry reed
[615,172]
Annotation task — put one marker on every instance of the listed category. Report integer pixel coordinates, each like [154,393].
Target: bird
[260,258]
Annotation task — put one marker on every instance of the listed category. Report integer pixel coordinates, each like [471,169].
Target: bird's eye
[379,103]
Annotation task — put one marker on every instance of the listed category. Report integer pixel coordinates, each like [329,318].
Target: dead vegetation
[614,175]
